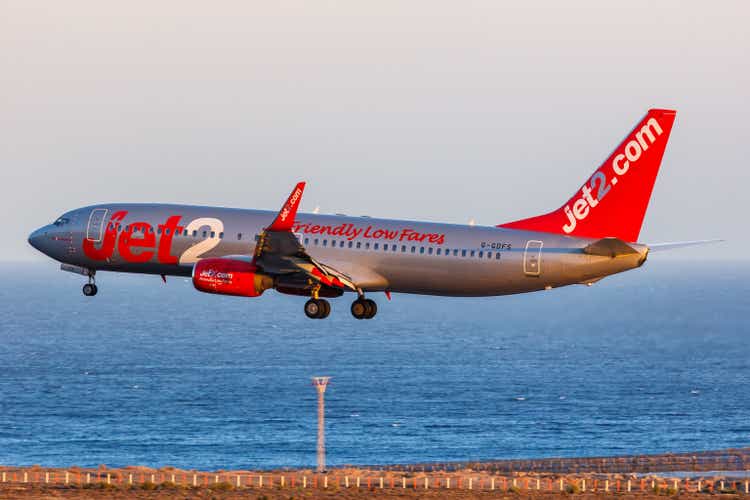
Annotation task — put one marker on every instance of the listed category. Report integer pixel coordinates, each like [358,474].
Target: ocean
[146,373]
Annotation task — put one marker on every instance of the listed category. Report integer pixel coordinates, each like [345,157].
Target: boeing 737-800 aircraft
[246,252]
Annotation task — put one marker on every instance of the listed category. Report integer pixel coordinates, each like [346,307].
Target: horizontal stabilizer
[610,247]
[656,247]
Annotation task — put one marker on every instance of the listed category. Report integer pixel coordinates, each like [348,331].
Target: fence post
[628,485]
[699,486]
[676,486]
[358,481]
[325,482]
[426,482]
[238,481]
[346,481]
[25,477]
[88,477]
[721,483]
[606,485]
[538,484]
[561,484]
[304,482]
[471,479]
[260,481]
[403,482]
[447,483]
[109,478]
[747,484]
[583,485]
[46,478]
[3,476]
[492,483]
[67,478]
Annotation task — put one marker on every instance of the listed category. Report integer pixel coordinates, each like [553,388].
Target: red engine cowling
[230,277]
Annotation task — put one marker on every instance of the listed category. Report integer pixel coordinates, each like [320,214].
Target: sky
[426,110]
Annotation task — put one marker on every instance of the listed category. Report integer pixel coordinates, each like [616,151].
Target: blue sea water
[653,360]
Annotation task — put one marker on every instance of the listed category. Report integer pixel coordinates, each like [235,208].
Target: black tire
[359,309]
[313,308]
[372,308]
[89,289]
[325,308]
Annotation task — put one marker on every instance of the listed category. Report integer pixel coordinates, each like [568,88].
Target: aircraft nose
[37,237]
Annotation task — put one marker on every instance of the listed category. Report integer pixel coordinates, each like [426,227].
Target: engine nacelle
[230,277]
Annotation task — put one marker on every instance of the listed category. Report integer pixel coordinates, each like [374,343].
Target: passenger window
[497,256]
[455,252]
[257,236]
[421,249]
[166,231]
[367,245]
[489,255]
[375,247]
[351,244]
[195,233]
[325,243]
[205,234]
[429,250]
[341,244]
[438,251]
[403,248]
[127,229]
[359,244]
[307,241]
[393,248]
[413,249]
[213,234]
[158,231]
[239,236]
[184,233]
[481,254]
[472,253]
[316,241]
[221,235]
[463,253]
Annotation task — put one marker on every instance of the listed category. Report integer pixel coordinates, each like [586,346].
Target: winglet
[285,219]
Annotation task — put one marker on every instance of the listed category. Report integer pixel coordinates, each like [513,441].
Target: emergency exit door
[532,258]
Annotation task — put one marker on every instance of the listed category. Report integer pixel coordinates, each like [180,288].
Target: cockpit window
[61,221]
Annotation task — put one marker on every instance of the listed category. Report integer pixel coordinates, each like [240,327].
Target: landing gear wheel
[325,308]
[90,289]
[372,309]
[359,308]
[317,308]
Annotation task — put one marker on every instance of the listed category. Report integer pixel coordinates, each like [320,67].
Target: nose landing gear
[90,289]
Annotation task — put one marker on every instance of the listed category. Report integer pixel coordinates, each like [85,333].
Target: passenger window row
[394,248]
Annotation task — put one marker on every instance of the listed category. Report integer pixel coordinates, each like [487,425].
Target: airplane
[243,252]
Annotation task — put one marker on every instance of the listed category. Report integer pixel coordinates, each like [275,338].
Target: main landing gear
[317,308]
[362,308]
[90,289]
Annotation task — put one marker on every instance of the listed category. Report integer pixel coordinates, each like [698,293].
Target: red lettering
[127,243]
[165,242]
[104,252]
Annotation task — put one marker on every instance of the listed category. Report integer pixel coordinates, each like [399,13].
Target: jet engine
[230,277]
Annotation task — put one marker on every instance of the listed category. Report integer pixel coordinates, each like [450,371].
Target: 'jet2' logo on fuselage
[137,243]
[598,182]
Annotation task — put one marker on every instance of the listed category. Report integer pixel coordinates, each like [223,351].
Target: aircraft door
[532,258]
[95,227]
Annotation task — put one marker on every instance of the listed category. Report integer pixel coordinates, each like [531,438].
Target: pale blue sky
[411,109]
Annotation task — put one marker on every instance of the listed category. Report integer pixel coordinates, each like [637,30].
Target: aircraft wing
[279,253]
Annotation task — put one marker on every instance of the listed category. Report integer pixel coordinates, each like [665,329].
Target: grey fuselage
[378,254]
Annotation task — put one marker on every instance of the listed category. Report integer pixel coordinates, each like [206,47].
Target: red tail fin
[613,201]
